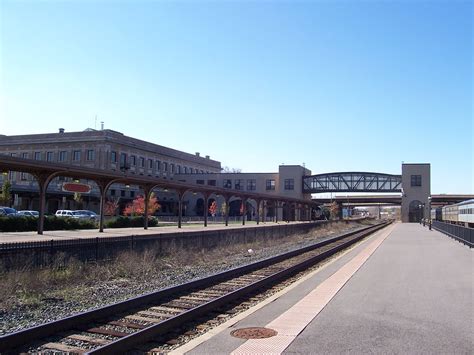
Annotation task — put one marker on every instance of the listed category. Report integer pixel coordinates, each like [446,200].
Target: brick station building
[110,150]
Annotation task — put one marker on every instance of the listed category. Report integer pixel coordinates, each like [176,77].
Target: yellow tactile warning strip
[293,321]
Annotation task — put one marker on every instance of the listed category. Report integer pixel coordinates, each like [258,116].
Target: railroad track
[125,325]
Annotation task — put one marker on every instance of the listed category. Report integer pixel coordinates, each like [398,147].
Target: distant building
[286,182]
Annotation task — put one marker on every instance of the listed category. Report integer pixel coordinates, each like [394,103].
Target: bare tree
[226,169]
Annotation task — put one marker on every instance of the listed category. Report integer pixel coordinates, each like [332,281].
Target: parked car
[92,215]
[29,213]
[71,214]
[7,211]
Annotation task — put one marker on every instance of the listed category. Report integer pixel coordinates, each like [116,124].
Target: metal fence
[463,234]
[59,253]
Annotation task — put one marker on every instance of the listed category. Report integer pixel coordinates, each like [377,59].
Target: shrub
[25,224]
[61,223]
[18,224]
[126,222]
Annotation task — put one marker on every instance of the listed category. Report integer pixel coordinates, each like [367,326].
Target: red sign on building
[76,187]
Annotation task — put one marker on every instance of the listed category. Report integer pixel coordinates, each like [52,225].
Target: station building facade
[286,182]
[99,149]
[110,150]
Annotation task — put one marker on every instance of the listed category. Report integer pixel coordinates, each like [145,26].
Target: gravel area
[58,300]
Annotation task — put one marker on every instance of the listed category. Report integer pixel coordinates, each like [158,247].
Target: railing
[463,234]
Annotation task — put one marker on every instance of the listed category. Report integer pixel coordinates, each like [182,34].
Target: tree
[6,192]
[137,206]
[78,199]
[111,206]
[334,210]
[223,208]
[226,169]
[213,208]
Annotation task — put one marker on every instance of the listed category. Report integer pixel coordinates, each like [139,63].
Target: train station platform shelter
[405,290]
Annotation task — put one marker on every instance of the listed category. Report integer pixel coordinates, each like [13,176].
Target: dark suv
[7,211]
[92,215]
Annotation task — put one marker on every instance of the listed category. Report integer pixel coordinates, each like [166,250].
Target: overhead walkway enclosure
[352,182]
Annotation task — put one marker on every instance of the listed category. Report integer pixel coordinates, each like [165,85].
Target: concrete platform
[15,237]
[406,290]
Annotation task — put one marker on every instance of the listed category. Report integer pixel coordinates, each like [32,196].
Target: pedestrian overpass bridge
[352,182]
[411,190]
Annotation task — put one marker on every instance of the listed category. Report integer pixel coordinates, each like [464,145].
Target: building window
[123,160]
[24,155]
[239,184]
[113,157]
[122,193]
[112,192]
[133,160]
[76,155]
[49,156]
[37,155]
[200,182]
[24,176]
[90,155]
[270,185]
[142,162]
[158,165]
[416,180]
[132,194]
[178,169]
[289,184]
[227,183]
[211,182]
[172,168]
[165,166]
[251,185]
[185,170]
[62,155]
[150,164]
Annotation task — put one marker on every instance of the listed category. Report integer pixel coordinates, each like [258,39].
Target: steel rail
[17,339]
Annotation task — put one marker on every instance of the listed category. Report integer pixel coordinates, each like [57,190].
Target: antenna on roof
[101,125]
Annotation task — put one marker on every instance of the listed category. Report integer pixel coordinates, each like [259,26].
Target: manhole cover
[253,333]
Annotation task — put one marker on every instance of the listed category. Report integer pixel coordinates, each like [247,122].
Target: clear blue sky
[338,85]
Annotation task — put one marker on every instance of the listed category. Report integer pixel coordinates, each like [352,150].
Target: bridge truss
[352,182]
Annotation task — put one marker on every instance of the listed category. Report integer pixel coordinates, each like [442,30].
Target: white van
[70,214]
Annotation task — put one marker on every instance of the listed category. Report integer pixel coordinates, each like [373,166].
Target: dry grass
[30,287]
